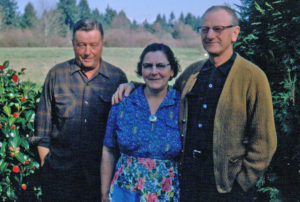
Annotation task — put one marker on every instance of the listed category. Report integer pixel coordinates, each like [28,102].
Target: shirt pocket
[104,106]
[64,106]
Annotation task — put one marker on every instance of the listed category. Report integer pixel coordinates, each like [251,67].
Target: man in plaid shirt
[71,118]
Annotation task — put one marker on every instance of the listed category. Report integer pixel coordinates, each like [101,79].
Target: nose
[87,50]
[154,69]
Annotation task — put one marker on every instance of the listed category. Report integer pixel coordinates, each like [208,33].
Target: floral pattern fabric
[152,179]
[148,148]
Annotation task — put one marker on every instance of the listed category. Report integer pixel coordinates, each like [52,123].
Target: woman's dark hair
[87,24]
[168,53]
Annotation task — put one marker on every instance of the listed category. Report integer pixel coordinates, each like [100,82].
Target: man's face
[221,43]
[88,46]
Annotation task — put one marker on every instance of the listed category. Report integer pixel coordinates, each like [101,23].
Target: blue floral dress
[146,169]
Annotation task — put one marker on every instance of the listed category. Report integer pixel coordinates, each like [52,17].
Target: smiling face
[219,44]
[88,46]
[156,76]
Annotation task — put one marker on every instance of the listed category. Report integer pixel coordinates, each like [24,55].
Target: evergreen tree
[84,9]
[110,14]
[172,19]
[181,18]
[134,25]
[162,21]
[69,11]
[96,15]
[29,19]
[190,19]
[270,38]
[148,27]
[10,16]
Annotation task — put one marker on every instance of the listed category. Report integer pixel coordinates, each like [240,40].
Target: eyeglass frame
[222,28]
[159,66]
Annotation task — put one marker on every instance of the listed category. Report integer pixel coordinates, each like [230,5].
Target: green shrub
[17,159]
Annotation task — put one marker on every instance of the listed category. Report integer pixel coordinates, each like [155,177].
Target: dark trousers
[67,185]
[198,184]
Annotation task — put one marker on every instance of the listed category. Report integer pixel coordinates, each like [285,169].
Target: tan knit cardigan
[244,136]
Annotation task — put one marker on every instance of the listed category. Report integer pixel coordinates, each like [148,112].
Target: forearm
[43,151]
[107,167]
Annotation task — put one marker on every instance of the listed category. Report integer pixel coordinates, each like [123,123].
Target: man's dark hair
[230,11]
[168,53]
[87,24]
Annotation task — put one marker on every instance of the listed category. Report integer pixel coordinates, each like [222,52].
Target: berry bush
[18,160]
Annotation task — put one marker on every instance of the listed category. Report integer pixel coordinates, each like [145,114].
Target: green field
[38,61]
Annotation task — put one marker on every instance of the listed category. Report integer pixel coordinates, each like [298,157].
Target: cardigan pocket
[234,167]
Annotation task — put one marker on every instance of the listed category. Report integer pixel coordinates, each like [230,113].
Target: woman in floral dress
[144,127]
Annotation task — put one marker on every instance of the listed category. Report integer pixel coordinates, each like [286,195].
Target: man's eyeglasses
[159,66]
[216,29]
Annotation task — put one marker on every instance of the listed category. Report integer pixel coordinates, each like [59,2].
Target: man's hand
[43,151]
[125,88]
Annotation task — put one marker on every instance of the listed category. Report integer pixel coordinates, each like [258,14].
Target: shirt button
[86,102]
[182,135]
[204,106]
[85,120]
[183,120]
[210,85]
[200,125]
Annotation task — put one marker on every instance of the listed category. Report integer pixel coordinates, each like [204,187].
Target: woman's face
[156,71]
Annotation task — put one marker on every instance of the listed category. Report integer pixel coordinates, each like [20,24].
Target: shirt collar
[102,70]
[138,97]
[224,68]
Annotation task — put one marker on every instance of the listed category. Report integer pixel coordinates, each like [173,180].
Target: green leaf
[28,115]
[24,143]
[20,157]
[7,110]
[6,64]
[3,148]
[14,142]
[3,165]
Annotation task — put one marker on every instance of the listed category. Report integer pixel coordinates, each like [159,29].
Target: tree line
[59,21]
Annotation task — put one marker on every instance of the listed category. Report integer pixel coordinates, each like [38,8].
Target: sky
[139,10]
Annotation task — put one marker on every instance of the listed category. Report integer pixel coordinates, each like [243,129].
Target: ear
[235,34]
[103,42]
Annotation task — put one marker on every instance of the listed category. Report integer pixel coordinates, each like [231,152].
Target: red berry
[16,169]
[16,114]
[26,162]
[1,67]
[23,99]
[13,126]
[12,154]
[24,186]
[10,148]
[15,78]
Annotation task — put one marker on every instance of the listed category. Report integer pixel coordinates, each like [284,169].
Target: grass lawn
[38,61]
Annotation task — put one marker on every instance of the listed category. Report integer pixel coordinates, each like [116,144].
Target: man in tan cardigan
[226,117]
